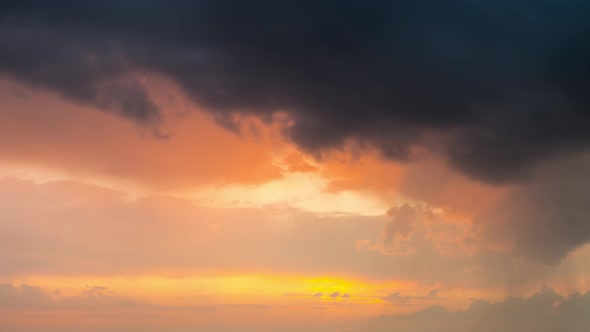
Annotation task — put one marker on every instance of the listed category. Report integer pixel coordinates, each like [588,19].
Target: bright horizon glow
[252,288]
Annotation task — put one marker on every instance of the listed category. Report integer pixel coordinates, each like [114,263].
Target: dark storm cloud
[501,85]
[79,67]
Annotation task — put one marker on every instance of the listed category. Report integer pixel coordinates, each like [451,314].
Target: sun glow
[224,288]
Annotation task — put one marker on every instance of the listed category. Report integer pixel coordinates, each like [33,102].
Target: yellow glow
[264,298]
[225,288]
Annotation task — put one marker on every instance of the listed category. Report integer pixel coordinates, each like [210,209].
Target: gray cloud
[408,300]
[30,297]
[546,218]
[543,219]
[83,67]
[496,87]
[543,311]
[129,99]
[335,295]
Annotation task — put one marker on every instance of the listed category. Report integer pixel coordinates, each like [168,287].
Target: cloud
[544,311]
[23,296]
[546,218]
[397,298]
[129,99]
[24,308]
[419,229]
[69,228]
[65,140]
[30,297]
[85,70]
[48,229]
[497,88]
[543,219]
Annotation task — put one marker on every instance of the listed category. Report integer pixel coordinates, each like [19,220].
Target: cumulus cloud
[543,219]
[419,229]
[496,87]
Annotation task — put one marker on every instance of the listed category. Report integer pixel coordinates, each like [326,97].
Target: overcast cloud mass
[500,86]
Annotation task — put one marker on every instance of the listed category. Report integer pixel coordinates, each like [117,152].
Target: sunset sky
[318,166]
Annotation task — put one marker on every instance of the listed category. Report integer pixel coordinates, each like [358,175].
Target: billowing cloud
[415,229]
[497,88]
[542,219]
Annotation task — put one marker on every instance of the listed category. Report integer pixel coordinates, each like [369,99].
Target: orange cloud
[83,141]
[349,169]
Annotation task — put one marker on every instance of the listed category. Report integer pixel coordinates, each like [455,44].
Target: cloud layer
[543,311]
[25,308]
[68,228]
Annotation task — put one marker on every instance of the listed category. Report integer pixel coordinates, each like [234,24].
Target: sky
[294,165]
